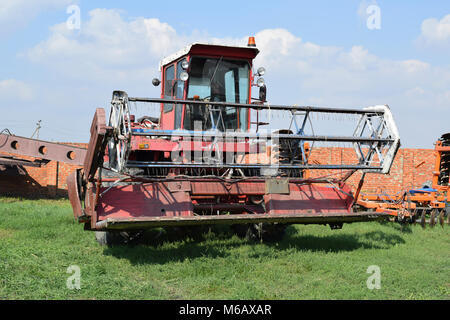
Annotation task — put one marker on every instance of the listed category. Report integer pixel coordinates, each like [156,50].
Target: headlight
[185,64]
[261,71]
[184,76]
[261,82]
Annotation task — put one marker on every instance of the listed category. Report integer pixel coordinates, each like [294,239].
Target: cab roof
[211,50]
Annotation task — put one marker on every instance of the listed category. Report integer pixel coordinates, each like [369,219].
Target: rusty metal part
[177,186]
[42,149]
[277,186]
[442,217]
[358,189]
[11,161]
[433,218]
[96,147]
[147,222]
[423,221]
[73,184]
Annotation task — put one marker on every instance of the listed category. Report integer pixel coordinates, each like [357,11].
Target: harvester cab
[215,155]
[207,73]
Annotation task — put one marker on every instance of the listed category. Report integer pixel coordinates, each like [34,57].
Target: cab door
[180,86]
[167,112]
[174,89]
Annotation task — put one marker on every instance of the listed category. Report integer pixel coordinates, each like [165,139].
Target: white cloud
[18,13]
[107,47]
[11,90]
[435,32]
[308,73]
[415,66]
[357,59]
[111,52]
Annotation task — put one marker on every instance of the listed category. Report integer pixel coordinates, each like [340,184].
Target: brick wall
[411,168]
[35,182]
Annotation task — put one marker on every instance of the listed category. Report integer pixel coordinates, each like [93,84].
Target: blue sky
[315,52]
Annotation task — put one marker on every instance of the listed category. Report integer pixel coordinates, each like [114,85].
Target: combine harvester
[209,158]
[427,205]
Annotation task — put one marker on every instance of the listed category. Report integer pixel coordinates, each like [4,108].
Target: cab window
[179,88]
[168,86]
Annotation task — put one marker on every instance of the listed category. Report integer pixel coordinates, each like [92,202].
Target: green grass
[39,240]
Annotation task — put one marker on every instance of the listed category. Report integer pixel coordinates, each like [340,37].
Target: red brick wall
[411,168]
[46,181]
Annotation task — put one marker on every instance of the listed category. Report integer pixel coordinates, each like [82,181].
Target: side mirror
[156,82]
[262,93]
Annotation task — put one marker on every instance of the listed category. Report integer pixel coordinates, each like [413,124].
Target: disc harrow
[427,205]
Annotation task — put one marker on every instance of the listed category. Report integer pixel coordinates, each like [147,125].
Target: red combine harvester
[209,157]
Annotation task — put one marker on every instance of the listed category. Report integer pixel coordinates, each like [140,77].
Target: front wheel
[111,238]
[268,232]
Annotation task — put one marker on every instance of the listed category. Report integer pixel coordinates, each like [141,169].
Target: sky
[58,69]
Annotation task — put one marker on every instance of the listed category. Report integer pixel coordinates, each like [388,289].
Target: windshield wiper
[215,70]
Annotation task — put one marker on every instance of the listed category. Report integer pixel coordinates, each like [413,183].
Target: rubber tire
[270,232]
[107,238]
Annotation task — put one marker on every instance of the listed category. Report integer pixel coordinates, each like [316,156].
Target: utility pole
[36,132]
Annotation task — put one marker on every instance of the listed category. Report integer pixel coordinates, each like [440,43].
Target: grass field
[39,240]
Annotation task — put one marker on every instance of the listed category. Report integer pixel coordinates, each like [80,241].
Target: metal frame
[382,141]
[42,149]
[330,218]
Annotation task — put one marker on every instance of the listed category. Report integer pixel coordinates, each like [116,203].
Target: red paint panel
[309,199]
[143,200]
[186,145]
[229,52]
[96,146]
[153,144]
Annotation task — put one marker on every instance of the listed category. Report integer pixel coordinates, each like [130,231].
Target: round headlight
[184,76]
[261,82]
[261,71]
[185,64]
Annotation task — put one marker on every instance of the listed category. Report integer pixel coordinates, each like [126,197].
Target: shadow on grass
[160,246]
[341,242]
[405,228]
[174,246]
